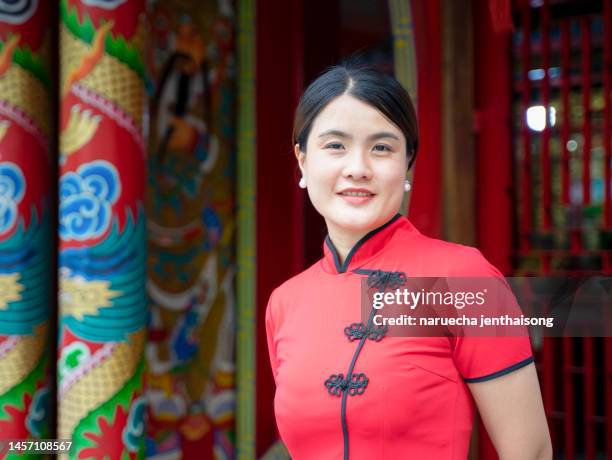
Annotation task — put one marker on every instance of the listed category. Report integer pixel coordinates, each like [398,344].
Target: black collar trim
[341,268]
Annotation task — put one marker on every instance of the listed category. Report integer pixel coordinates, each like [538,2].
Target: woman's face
[355,166]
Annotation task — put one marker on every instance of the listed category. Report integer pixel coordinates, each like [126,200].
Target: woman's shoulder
[454,259]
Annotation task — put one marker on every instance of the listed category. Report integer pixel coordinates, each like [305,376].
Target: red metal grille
[562,118]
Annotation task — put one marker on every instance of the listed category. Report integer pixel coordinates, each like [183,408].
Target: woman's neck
[343,242]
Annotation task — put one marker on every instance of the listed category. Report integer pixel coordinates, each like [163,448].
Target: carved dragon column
[102,323]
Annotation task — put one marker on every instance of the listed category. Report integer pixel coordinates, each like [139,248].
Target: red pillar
[426,201]
[493,88]
[279,200]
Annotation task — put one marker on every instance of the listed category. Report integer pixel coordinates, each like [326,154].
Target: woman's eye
[334,146]
[381,148]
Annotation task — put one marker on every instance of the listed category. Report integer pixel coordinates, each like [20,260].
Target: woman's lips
[356,197]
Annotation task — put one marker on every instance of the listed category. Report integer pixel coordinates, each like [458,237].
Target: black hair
[381,91]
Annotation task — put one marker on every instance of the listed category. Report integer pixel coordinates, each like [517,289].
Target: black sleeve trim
[505,371]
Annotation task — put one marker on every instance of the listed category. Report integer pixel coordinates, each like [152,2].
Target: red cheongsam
[342,392]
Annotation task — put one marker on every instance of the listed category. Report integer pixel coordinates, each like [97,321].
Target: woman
[344,389]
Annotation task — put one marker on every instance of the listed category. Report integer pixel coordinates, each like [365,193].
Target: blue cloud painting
[86,200]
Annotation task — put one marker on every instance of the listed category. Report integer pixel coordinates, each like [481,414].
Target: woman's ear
[299,156]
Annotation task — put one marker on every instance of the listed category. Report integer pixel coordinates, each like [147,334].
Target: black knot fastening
[382,280]
[336,384]
[356,331]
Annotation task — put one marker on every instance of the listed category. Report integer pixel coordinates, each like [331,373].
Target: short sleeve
[270,334]
[484,358]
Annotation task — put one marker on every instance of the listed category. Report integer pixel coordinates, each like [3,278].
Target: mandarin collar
[367,247]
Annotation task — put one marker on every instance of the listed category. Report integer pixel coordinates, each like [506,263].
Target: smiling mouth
[358,194]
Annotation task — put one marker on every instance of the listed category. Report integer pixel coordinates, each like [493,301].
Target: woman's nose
[357,165]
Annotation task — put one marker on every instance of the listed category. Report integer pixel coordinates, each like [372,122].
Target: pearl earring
[407,185]
[302,182]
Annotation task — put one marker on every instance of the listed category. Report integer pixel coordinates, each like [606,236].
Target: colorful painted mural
[102,228]
[191,225]
[25,231]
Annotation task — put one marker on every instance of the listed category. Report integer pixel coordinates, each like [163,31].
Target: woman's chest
[396,386]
